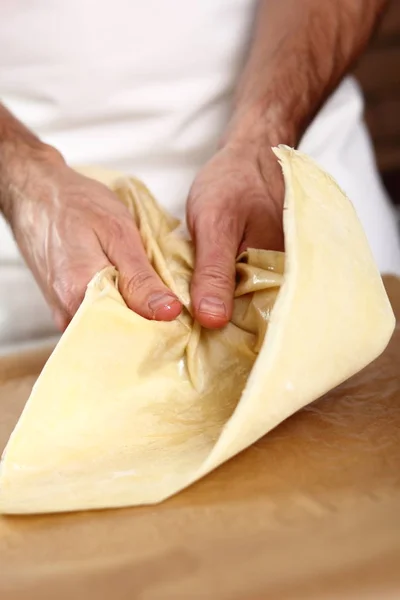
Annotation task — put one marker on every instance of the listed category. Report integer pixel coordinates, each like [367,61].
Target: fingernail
[212,306]
[161,302]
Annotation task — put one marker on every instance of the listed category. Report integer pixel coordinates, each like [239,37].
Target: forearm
[19,148]
[300,52]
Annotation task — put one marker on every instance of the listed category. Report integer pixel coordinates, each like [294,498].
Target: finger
[216,237]
[142,289]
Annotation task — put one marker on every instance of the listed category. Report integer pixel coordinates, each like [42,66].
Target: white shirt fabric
[145,88]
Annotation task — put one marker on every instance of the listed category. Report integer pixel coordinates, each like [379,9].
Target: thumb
[216,238]
[141,287]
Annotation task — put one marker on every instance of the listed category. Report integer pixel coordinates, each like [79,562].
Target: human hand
[69,227]
[236,202]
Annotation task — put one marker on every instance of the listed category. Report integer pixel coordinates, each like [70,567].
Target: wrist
[254,129]
[23,163]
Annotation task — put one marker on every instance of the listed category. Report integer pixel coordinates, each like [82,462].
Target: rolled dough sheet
[129,411]
[309,512]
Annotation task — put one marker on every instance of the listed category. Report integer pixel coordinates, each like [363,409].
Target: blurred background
[379,74]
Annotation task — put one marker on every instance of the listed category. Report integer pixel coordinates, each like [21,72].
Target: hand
[236,202]
[69,227]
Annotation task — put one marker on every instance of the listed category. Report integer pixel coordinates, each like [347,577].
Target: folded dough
[129,411]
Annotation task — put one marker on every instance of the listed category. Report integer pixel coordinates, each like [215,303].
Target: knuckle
[118,234]
[216,276]
[140,279]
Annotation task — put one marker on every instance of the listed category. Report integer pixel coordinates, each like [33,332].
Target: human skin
[68,227]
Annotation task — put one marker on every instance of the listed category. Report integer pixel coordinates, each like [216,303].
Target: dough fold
[129,411]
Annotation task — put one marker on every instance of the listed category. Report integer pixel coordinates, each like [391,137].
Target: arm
[301,50]
[69,227]
[300,53]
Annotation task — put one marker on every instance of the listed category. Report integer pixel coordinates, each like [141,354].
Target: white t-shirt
[145,86]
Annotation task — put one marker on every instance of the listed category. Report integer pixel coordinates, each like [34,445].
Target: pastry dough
[129,411]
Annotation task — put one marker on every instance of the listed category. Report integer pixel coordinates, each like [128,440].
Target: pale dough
[129,411]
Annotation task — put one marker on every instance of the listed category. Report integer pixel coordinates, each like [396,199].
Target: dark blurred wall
[379,74]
